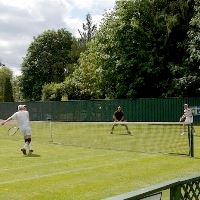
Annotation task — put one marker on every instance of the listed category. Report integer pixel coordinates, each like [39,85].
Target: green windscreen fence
[137,110]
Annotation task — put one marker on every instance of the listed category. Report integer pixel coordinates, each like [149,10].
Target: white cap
[20,107]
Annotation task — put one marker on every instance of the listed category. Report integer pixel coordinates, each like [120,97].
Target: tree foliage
[6,90]
[52,92]
[47,60]
[84,82]
[17,95]
[89,30]
[190,81]
[81,82]
[141,48]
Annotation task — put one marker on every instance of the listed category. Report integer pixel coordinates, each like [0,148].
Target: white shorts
[26,131]
[188,120]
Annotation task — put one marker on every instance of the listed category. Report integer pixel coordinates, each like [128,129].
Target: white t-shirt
[189,116]
[22,118]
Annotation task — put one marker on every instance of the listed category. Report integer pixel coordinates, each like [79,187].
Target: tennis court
[84,161]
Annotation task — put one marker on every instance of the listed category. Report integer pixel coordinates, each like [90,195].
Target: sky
[21,20]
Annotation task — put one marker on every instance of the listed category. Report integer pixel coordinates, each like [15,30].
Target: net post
[49,119]
[50,129]
[191,139]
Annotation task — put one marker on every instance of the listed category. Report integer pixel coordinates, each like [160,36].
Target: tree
[52,92]
[6,90]
[189,82]
[17,89]
[84,82]
[142,49]
[47,60]
[140,45]
[89,31]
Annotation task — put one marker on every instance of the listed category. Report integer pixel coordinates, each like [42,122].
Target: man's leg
[26,148]
[23,149]
[28,144]
[184,128]
[113,128]
[126,128]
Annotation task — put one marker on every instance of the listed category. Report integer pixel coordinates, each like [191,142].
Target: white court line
[56,173]
[55,162]
[68,160]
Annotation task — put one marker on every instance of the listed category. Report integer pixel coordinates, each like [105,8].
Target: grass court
[87,162]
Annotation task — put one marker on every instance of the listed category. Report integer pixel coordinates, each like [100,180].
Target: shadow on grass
[33,155]
[124,134]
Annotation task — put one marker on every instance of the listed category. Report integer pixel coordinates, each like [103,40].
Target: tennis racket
[182,119]
[12,130]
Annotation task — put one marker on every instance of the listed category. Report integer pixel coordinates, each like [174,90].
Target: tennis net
[149,137]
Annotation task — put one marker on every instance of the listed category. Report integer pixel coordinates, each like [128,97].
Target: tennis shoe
[23,151]
[30,152]
[183,133]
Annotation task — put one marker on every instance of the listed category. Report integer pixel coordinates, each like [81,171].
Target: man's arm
[114,118]
[122,116]
[7,120]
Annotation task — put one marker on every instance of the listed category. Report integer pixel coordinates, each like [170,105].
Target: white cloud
[73,24]
[21,20]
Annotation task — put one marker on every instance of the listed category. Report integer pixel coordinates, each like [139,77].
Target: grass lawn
[87,163]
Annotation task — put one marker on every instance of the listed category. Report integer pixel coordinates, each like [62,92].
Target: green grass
[87,166]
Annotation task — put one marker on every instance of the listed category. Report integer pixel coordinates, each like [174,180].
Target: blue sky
[21,20]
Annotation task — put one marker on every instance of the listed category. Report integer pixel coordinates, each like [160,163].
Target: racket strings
[13,130]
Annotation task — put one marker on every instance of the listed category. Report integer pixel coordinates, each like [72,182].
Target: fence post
[175,192]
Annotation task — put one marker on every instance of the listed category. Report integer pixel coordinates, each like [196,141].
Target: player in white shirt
[187,117]
[22,118]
